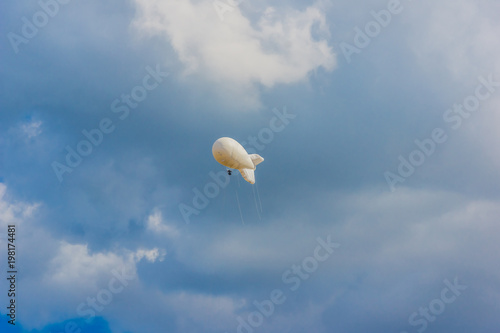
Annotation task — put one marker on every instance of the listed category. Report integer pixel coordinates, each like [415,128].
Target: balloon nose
[219,150]
[217,147]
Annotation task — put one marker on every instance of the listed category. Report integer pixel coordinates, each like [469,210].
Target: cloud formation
[280,47]
[322,176]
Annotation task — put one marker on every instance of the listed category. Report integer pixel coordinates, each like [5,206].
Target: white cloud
[13,212]
[32,129]
[74,264]
[74,273]
[150,255]
[156,224]
[235,53]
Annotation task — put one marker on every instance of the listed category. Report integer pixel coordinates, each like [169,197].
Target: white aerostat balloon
[231,154]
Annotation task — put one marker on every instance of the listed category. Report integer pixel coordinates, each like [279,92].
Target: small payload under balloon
[231,154]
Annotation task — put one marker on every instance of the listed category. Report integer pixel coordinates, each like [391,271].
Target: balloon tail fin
[249,175]
[256,159]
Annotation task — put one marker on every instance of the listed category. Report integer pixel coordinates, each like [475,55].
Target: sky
[376,208]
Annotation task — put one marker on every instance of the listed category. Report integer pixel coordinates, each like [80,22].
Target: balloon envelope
[231,154]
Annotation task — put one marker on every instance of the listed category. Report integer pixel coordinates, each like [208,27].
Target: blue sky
[376,208]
